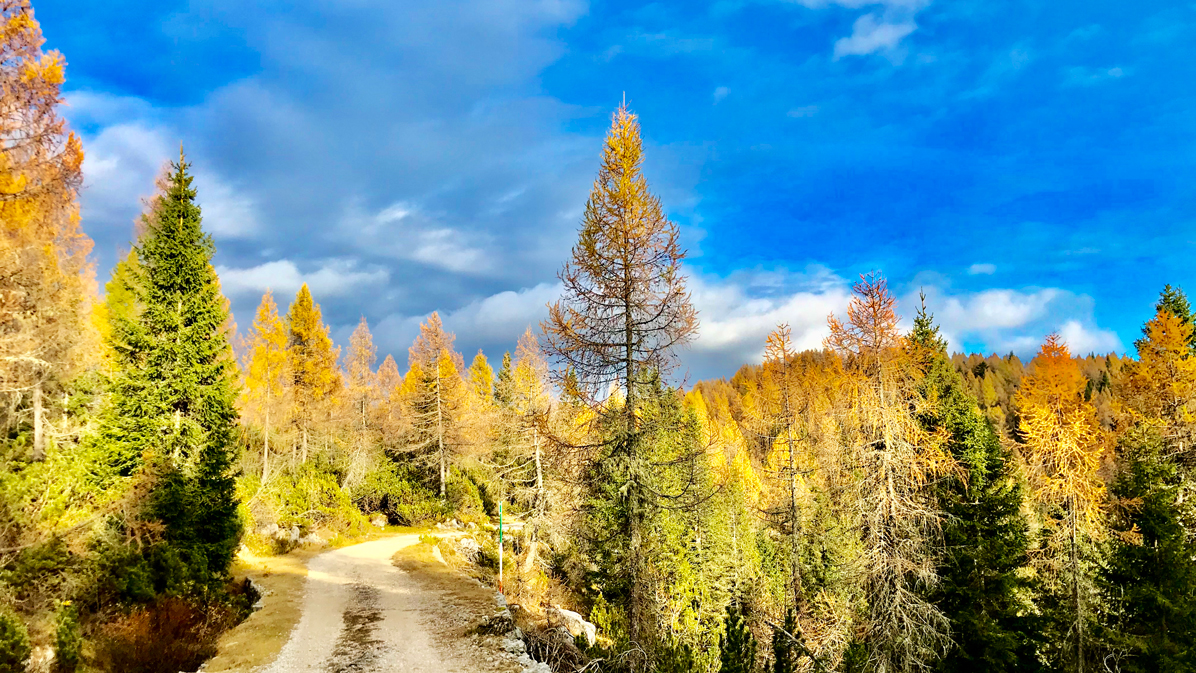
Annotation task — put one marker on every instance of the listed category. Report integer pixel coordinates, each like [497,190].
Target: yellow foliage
[1063,436]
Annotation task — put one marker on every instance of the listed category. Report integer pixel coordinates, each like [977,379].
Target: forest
[880,505]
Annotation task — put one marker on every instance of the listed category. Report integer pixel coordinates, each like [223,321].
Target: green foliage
[68,638]
[310,493]
[737,646]
[985,536]
[677,658]
[14,643]
[169,420]
[1148,582]
[785,653]
[395,490]
[1174,301]
[464,498]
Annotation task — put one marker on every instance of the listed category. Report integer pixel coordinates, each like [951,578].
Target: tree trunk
[266,448]
[39,436]
[304,444]
[1075,589]
[440,433]
[540,505]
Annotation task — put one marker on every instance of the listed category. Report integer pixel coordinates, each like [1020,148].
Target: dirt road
[361,614]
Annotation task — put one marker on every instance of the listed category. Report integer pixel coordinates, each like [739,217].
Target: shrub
[68,639]
[14,643]
[394,490]
[169,636]
[464,498]
[311,493]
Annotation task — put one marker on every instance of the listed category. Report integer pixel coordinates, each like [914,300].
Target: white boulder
[572,622]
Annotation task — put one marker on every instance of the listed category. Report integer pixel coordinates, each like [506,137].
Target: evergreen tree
[784,651]
[171,413]
[737,647]
[1149,580]
[985,536]
[502,382]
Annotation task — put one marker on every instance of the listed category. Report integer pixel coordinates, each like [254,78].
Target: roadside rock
[468,548]
[572,622]
[499,623]
[378,520]
[314,540]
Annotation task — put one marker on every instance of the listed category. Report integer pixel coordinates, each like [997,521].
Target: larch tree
[266,378]
[1064,447]
[898,460]
[311,360]
[361,379]
[388,381]
[170,418]
[435,401]
[624,310]
[45,277]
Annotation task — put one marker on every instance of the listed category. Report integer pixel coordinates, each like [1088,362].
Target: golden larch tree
[897,460]
[625,309]
[360,366]
[266,376]
[46,282]
[1065,444]
[311,359]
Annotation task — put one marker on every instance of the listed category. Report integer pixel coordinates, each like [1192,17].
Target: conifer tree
[266,381]
[481,380]
[1173,300]
[625,309]
[1065,442]
[1148,582]
[360,365]
[435,401]
[45,281]
[311,360]
[171,410]
[737,647]
[898,458]
[985,536]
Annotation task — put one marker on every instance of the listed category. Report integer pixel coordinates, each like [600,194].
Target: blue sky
[1028,165]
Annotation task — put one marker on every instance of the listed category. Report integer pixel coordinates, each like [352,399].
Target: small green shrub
[464,498]
[394,490]
[14,644]
[68,639]
[311,494]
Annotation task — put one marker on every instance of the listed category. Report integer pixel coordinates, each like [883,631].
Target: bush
[169,636]
[311,493]
[14,644]
[394,490]
[68,639]
[464,498]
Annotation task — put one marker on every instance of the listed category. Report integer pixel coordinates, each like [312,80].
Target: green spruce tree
[985,536]
[1174,301]
[737,647]
[1148,582]
[170,421]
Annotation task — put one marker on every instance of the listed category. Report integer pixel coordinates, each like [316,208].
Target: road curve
[363,615]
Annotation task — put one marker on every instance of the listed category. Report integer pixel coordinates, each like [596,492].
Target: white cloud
[497,319]
[720,93]
[404,231]
[982,269]
[738,312]
[1082,340]
[872,33]
[333,279]
[1004,320]
[123,160]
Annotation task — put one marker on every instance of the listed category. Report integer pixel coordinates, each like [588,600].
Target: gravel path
[363,615]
